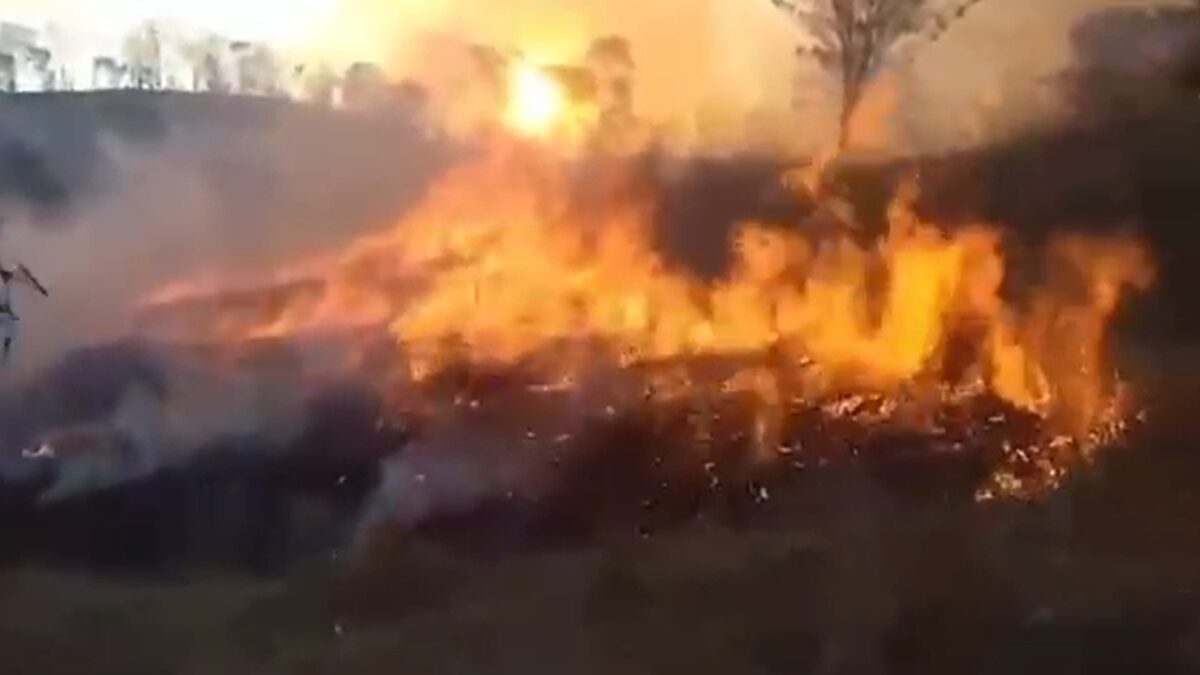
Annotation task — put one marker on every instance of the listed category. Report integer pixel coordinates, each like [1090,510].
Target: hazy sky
[997,69]
[709,62]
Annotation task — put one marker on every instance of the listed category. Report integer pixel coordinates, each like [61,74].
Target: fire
[535,100]
[505,266]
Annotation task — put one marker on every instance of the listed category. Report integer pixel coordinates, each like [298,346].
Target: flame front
[503,265]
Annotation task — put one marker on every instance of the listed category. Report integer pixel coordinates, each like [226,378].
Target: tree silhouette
[107,73]
[610,61]
[39,60]
[143,56]
[857,39]
[203,55]
[258,69]
[8,73]
[319,83]
[364,85]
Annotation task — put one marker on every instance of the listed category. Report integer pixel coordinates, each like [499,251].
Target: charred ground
[888,563]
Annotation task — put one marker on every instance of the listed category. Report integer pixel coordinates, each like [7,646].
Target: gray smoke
[110,196]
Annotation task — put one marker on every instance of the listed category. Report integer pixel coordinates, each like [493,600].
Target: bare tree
[143,56]
[857,39]
[319,84]
[8,73]
[39,60]
[364,85]
[610,60]
[107,73]
[204,58]
[258,69]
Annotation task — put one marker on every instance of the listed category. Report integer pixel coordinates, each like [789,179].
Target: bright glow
[502,268]
[535,100]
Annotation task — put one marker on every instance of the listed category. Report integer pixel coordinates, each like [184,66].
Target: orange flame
[501,265]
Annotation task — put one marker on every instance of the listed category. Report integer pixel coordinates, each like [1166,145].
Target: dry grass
[844,576]
[871,585]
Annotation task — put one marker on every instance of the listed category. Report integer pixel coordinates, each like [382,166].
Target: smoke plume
[720,71]
[115,196]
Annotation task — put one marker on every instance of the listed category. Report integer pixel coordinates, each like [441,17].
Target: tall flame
[502,265]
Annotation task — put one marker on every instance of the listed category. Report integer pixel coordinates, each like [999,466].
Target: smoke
[442,476]
[222,188]
[110,197]
[147,407]
[973,88]
[1131,62]
[721,72]
[131,191]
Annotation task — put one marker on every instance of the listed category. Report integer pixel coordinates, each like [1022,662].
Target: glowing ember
[821,343]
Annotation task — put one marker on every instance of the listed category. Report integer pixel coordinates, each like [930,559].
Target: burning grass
[527,294]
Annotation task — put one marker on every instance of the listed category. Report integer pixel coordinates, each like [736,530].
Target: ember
[526,296]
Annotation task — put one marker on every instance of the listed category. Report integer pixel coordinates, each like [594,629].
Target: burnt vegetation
[865,544]
[234,501]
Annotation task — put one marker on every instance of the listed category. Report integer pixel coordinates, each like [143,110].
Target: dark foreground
[844,575]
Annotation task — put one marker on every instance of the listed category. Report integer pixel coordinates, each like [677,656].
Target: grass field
[840,575]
